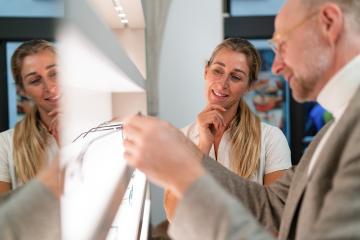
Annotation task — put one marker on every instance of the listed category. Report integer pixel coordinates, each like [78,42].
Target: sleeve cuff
[208,212]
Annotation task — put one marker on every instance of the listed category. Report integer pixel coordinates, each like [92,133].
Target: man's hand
[162,152]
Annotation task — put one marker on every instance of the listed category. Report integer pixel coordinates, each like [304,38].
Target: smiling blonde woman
[226,129]
[28,147]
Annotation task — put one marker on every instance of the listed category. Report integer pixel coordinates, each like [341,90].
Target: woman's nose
[223,81]
[50,85]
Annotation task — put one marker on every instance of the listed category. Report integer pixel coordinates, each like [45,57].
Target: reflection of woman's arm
[4,186]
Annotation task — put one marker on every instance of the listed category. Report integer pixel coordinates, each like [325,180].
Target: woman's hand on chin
[209,121]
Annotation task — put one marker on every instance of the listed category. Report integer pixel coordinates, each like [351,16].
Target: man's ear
[332,22]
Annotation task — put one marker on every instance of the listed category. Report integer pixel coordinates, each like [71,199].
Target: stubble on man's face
[314,60]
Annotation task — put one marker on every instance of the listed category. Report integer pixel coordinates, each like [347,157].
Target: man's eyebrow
[51,66]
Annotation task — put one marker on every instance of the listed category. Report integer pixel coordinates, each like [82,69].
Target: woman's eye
[217,71]
[236,78]
[35,81]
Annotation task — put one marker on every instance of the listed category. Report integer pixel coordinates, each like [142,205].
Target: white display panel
[127,221]
[95,73]
[94,169]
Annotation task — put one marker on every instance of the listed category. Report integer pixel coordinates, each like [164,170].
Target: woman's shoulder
[190,130]
[271,135]
[268,130]
[6,136]
[6,144]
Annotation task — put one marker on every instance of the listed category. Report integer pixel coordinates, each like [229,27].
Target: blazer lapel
[296,191]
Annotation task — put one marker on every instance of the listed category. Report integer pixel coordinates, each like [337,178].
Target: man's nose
[278,65]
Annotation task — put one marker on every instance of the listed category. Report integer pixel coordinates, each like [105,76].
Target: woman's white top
[274,153]
[7,170]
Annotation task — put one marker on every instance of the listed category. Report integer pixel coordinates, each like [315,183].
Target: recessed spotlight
[120,12]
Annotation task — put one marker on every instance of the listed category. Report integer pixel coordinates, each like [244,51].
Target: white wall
[133,42]
[193,29]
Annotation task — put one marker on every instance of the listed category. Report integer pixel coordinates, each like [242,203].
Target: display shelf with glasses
[99,82]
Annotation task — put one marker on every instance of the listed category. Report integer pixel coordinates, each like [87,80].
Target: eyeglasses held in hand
[108,127]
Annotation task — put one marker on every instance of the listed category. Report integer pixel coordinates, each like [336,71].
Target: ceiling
[132,8]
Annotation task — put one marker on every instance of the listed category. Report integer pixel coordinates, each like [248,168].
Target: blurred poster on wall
[269,97]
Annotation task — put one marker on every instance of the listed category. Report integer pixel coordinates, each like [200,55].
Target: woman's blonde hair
[245,128]
[30,135]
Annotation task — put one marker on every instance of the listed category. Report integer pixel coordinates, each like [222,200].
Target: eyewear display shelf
[103,197]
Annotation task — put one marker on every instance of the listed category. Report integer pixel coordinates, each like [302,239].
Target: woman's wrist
[204,147]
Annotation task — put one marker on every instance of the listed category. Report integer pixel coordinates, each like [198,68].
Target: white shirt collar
[337,93]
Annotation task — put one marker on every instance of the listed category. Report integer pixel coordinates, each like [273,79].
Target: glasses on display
[105,126]
[279,39]
[108,127]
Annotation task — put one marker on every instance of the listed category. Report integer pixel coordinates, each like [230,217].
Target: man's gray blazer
[322,205]
[29,212]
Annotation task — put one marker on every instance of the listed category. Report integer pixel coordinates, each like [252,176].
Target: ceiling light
[120,12]
[119,8]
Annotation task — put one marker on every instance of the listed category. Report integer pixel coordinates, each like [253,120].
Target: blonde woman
[226,129]
[33,142]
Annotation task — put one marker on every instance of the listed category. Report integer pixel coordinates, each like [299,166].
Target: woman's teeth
[55,98]
[219,94]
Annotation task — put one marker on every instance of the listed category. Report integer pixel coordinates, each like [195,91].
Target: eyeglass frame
[277,45]
[105,126]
